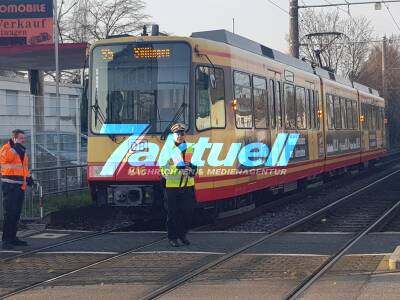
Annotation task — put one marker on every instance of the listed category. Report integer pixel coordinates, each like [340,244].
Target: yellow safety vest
[175,177]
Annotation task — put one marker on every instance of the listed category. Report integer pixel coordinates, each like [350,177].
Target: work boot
[18,242]
[7,245]
[185,240]
[174,243]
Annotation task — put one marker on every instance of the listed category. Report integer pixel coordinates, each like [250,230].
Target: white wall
[16,106]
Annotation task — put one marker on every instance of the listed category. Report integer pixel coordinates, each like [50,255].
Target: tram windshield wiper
[98,114]
[100,117]
[176,117]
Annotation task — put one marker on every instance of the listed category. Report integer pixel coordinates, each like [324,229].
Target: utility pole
[384,88]
[384,62]
[294,28]
[56,37]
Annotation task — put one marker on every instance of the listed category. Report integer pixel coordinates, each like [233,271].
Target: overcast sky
[256,19]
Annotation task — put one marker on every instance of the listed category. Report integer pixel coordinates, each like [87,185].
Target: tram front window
[143,83]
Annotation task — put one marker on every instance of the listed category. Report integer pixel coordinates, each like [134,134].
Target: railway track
[362,221]
[68,273]
[344,203]
[281,200]
[381,209]
[64,242]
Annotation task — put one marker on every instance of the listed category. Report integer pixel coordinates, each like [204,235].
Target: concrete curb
[394,259]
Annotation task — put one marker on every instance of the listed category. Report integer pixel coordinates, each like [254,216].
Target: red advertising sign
[26,22]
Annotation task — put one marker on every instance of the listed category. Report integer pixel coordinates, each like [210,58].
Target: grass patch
[59,202]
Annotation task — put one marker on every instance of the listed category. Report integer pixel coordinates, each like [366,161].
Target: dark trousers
[181,202]
[13,198]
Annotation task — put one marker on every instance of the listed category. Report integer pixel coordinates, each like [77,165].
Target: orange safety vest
[12,169]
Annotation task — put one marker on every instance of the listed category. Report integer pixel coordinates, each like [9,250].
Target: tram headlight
[94,172]
[148,195]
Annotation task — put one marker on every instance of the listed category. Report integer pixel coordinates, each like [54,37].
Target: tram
[228,89]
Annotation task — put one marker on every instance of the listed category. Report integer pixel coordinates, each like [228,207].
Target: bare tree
[345,54]
[371,75]
[64,10]
[91,20]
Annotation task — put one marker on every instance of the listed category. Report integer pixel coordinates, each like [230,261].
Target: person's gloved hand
[193,170]
[30,181]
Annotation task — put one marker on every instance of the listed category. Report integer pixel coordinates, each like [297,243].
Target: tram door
[276,109]
[311,119]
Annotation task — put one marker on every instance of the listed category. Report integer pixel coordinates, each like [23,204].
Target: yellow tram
[231,90]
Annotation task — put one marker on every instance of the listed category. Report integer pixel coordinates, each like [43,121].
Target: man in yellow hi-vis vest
[179,175]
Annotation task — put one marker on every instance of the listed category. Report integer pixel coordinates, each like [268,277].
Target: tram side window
[370,117]
[374,116]
[301,108]
[316,106]
[378,119]
[307,108]
[338,116]
[272,102]
[311,107]
[330,111]
[349,114]
[210,100]
[364,113]
[355,114]
[290,112]
[278,104]
[244,110]
[367,117]
[261,117]
[343,112]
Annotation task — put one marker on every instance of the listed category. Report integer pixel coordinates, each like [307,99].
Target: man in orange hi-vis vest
[15,176]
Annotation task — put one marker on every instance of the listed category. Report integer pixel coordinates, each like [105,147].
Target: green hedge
[66,201]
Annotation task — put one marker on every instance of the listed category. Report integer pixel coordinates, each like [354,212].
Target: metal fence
[57,150]
[51,124]
[51,185]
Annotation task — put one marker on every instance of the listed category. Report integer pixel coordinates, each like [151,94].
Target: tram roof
[241,42]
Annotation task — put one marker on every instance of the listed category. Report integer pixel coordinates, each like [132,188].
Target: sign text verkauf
[26,22]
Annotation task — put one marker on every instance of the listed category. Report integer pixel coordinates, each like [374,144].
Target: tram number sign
[26,22]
